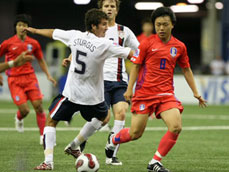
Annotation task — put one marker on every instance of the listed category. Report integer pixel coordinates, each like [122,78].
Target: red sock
[166,144]
[19,117]
[41,118]
[122,136]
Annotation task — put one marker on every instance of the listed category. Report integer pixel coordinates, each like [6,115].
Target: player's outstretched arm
[43,32]
[191,82]
[133,76]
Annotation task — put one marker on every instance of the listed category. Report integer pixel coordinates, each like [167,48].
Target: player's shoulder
[31,40]
[11,39]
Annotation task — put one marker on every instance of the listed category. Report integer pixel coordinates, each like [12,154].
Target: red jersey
[158,61]
[14,47]
[141,37]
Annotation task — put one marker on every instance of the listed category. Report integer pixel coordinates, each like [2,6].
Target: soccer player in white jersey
[115,76]
[84,88]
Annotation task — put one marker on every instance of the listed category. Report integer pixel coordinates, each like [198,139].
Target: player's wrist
[11,63]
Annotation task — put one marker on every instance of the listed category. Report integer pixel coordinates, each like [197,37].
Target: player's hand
[66,62]
[128,94]
[23,58]
[202,102]
[51,79]
[1,80]
[30,29]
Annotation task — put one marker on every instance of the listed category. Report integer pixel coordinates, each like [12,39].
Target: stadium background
[205,34]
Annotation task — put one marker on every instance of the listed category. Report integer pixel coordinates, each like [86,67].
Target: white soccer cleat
[110,147]
[19,125]
[113,161]
[45,166]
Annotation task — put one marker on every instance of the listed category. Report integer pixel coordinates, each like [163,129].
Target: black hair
[25,18]
[94,17]
[163,11]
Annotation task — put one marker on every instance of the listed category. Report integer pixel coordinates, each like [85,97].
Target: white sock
[88,129]
[50,140]
[118,125]
[153,161]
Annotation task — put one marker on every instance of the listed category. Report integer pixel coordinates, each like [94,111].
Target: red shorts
[157,104]
[24,87]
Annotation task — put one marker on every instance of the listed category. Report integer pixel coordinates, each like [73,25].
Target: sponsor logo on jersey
[14,48]
[154,49]
[142,107]
[29,47]
[173,52]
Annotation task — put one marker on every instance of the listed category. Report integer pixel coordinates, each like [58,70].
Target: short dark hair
[163,11]
[94,17]
[25,18]
[100,4]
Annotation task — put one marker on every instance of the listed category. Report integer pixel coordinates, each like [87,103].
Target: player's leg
[95,117]
[138,124]
[170,112]
[23,111]
[60,109]
[20,99]
[41,116]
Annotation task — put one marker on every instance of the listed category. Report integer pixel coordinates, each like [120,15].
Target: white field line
[189,116]
[191,128]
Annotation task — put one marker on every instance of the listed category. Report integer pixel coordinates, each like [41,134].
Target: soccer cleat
[19,125]
[113,161]
[156,167]
[44,166]
[75,153]
[110,147]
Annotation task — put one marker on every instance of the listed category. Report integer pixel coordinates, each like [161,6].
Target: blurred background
[203,25]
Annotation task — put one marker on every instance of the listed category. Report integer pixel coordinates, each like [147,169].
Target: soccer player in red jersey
[147,30]
[153,69]
[22,80]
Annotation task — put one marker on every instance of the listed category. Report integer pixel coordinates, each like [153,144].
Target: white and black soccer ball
[87,163]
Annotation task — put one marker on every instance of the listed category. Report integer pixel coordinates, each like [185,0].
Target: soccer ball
[87,163]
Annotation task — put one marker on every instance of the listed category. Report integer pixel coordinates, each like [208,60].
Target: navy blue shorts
[61,109]
[114,92]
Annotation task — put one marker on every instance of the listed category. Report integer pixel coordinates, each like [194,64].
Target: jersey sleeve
[117,51]
[140,54]
[183,61]
[38,51]
[131,40]
[3,48]
[63,36]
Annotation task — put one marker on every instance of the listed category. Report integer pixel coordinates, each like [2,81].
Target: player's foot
[75,153]
[110,147]
[45,166]
[41,139]
[105,128]
[82,146]
[19,124]
[113,161]
[156,167]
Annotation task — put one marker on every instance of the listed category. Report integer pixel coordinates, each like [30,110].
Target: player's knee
[121,115]
[24,112]
[50,122]
[135,135]
[176,129]
[38,108]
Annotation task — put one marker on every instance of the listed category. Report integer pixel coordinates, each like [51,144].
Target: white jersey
[85,83]
[114,68]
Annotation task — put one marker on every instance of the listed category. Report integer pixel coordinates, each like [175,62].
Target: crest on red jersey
[173,52]
[29,47]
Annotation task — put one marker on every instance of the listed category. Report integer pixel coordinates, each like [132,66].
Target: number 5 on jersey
[81,63]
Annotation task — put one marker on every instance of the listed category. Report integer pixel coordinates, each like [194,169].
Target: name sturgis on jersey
[84,43]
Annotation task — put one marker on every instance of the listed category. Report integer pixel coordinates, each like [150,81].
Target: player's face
[163,27]
[109,7]
[101,29]
[20,27]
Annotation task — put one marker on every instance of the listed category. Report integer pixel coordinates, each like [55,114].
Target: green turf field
[203,145]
